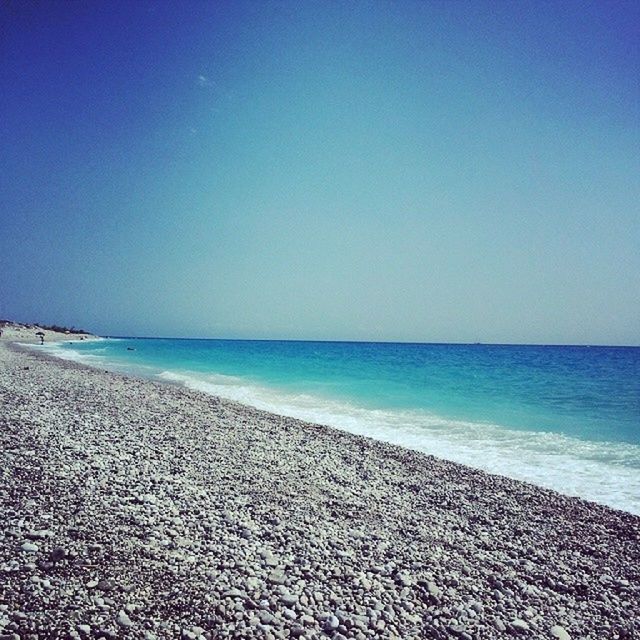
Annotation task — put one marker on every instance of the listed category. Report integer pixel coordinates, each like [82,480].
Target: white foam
[604,472]
[94,358]
[59,350]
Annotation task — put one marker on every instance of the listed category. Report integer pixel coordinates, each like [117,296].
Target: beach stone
[253,582]
[331,623]
[559,632]
[365,583]
[519,624]
[266,618]
[106,584]
[477,607]
[57,554]
[123,620]
[29,547]
[39,534]
[403,579]
[277,577]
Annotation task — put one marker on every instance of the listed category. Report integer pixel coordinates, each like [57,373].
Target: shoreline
[44,355]
[276,527]
[550,459]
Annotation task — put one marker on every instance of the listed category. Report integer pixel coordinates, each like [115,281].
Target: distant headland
[38,332]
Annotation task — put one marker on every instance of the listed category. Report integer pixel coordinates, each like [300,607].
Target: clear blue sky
[433,171]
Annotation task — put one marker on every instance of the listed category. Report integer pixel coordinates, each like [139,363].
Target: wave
[98,357]
[604,472]
[59,350]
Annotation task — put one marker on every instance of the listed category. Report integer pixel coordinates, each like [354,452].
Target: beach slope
[132,509]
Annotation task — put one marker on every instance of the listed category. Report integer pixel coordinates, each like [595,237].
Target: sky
[401,171]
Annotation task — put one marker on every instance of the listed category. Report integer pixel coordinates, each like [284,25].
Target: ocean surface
[566,418]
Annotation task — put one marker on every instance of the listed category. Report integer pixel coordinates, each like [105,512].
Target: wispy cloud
[203,81]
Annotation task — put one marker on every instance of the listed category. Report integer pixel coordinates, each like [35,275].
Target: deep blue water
[562,417]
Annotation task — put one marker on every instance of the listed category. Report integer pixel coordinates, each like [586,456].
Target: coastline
[514,431]
[200,517]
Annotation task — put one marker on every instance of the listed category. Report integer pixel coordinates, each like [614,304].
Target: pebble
[331,623]
[39,534]
[234,593]
[266,618]
[519,624]
[288,600]
[559,632]
[277,577]
[123,620]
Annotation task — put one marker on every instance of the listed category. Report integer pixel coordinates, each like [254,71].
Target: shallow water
[567,418]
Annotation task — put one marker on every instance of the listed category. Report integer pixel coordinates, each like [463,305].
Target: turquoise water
[563,417]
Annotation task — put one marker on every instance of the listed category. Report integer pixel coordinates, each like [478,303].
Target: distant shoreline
[72,334]
[19,332]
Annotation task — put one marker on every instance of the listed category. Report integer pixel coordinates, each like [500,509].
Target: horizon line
[405,342]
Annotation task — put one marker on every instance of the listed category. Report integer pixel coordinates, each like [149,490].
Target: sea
[562,417]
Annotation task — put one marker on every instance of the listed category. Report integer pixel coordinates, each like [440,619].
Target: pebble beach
[135,509]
